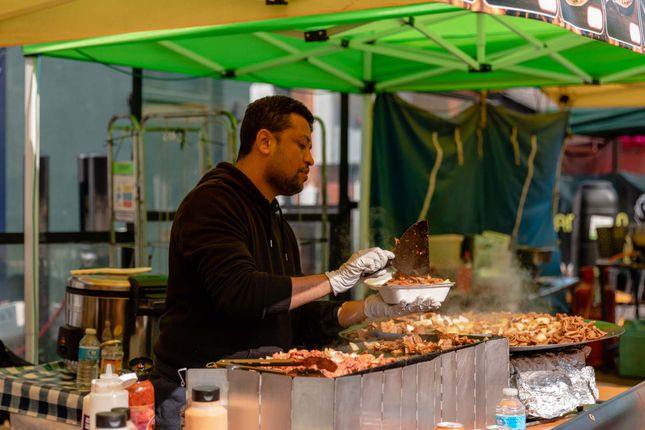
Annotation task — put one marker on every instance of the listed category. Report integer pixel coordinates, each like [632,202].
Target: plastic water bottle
[88,360]
[510,412]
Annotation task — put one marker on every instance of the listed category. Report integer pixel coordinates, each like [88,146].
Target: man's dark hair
[271,113]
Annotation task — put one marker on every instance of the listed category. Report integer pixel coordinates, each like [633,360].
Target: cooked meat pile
[415,344]
[521,329]
[401,279]
[329,362]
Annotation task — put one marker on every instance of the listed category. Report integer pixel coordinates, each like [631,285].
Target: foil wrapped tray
[554,383]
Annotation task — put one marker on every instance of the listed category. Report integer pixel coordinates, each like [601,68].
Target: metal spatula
[410,255]
[411,250]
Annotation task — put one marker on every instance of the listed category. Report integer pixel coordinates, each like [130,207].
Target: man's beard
[283,184]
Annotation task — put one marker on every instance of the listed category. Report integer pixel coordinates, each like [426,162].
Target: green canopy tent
[420,47]
[424,47]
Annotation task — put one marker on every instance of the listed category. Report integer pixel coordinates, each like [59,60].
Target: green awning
[607,122]
[424,47]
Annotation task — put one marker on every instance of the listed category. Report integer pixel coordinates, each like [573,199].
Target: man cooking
[235,286]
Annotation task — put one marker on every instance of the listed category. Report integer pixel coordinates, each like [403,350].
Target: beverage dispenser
[118,306]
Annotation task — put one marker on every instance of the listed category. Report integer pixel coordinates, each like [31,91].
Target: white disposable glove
[363,263]
[374,307]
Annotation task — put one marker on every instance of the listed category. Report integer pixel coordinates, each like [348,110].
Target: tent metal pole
[287,59]
[187,53]
[366,158]
[586,77]
[539,44]
[448,58]
[524,35]
[140,232]
[454,50]
[364,34]
[623,75]
[387,85]
[341,247]
[366,170]
[31,198]
[338,73]
[424,57]
[481,38]
[530,52]
[325,200]
[559,77]
[367,145]
[313,61]
[545,47]
[398,26]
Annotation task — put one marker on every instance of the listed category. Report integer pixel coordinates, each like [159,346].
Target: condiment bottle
[108,392]
[205,411]
[112,353]
[111,420]
[129,424]
[106,334]
[141,395]
[449,425]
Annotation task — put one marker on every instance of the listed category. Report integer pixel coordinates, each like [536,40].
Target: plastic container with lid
[108,392]
[111,420]
[141,394]
[205,411]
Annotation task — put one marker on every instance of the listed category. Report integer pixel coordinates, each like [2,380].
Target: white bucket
[445,250]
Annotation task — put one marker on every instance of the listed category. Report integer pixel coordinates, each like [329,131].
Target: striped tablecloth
[44,391]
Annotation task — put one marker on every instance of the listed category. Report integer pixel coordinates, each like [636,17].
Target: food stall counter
[42,396]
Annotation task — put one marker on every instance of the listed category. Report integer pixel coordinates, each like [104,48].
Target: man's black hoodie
[229,287]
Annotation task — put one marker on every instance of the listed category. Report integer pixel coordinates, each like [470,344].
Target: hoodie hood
[233,177]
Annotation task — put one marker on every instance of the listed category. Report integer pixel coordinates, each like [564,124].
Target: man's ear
[263,141]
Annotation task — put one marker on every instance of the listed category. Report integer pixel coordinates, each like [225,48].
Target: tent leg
[366,172]
[30,214]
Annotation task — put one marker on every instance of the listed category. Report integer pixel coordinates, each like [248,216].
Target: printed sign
[618,22]
[125,191]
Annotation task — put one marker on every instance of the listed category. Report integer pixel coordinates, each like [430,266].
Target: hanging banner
[125,191]
[617,22]
[485,169]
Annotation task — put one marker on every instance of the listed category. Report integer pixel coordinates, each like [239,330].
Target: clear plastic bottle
[112,353]
[510,411]
[205,411]
[106,334]
[89,350]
